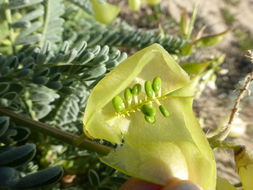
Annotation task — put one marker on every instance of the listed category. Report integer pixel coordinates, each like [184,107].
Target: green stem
[11,31]
[224,144]
[66,137]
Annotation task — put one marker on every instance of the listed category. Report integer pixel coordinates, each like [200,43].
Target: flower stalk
[63,136]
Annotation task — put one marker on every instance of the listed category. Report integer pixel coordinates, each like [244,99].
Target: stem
[63,136]
[9,21]
[224,144]
[220,136]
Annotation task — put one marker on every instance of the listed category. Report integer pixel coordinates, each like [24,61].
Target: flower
[154,126]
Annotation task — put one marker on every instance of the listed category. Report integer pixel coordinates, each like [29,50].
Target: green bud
[150,119]
[118,103]
[136,89]
[157,84]
[128,95]
[211,40]
[134,5]
[164,111]
[148,110]
[148,89]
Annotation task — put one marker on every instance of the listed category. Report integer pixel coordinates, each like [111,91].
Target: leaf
[4,86]
[17,156]
[23,3]
[184,23]
[186,49]
[4,124]
[22,134]
[52,28]
[41,178]
[93,177]
[7,176]
[10,96]
[211,40]
[134,5]
[195,68]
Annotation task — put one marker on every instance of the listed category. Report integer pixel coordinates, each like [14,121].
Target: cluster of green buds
[153,91]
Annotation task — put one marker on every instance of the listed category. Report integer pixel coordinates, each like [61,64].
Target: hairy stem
[66,137]
[224,133]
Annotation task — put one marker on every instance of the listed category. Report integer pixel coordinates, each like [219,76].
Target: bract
[172,146]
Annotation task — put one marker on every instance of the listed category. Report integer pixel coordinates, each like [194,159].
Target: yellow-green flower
[103,11]
[145,106]
[244,164]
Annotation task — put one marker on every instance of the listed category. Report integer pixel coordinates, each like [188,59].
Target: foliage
[14,157]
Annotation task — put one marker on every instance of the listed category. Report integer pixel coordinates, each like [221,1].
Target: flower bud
[148,110]
[128,95]
[150,119]
[164,111]
[104,12]
[136,89]
[149,89]
[118,103]
[157,84]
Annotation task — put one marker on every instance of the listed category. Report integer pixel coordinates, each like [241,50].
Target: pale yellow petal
[223,184]
[246,176]
[150,161]
[151,62]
